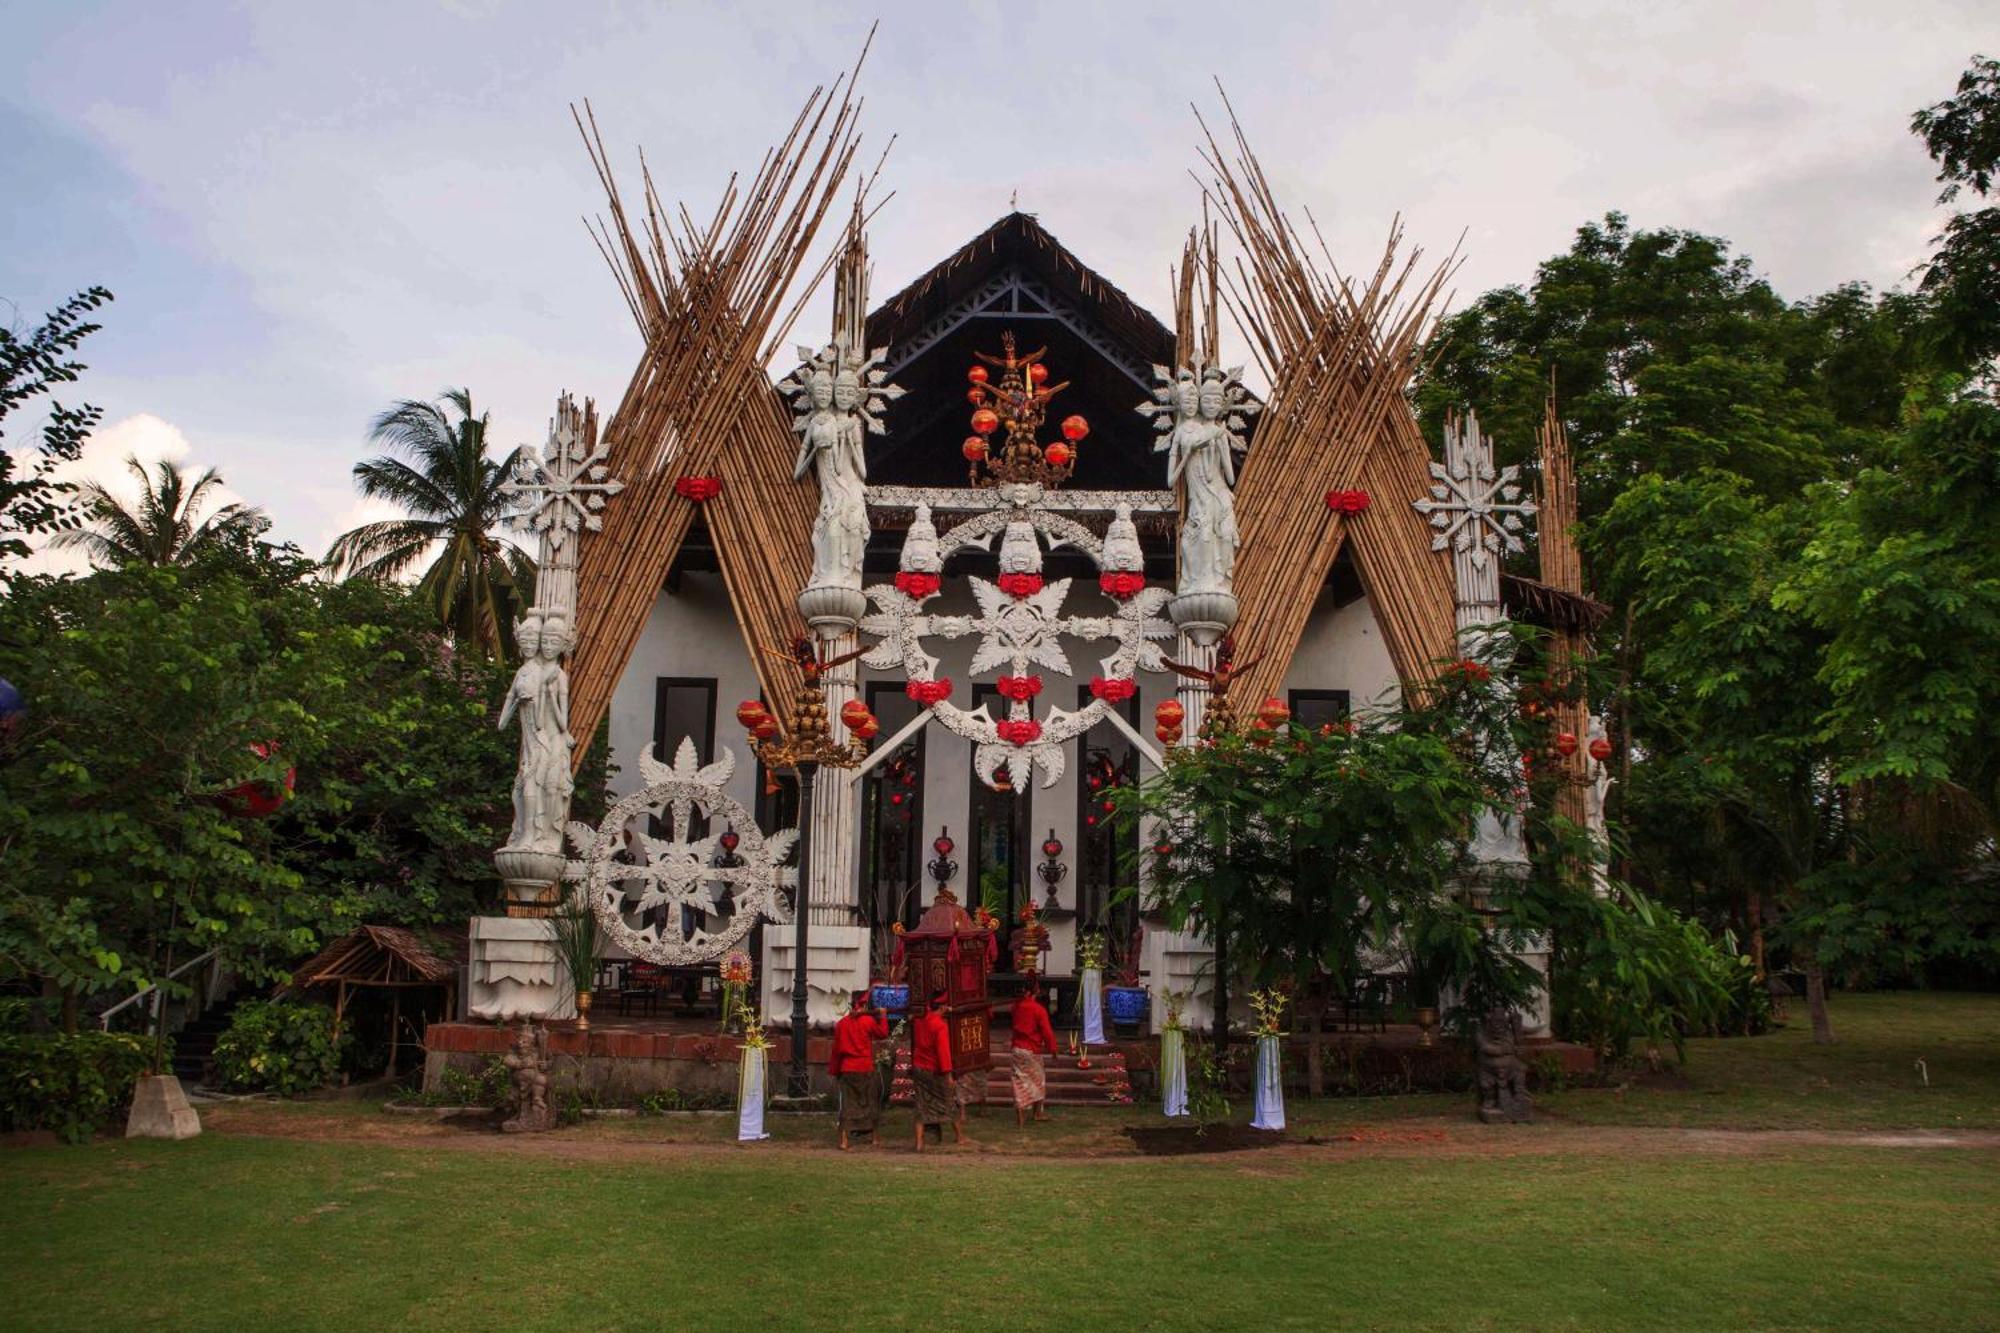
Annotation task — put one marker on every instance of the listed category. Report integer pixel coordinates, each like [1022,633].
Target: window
[1314,709]
[999,869]
[892,819]
[1105,860]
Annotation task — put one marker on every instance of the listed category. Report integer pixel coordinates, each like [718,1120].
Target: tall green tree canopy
[32,501]
[438,469]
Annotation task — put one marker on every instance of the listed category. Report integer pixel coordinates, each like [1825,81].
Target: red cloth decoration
[1347,502]
[260,800]
[1019,688]
[928,692]
[1020,585]
[1115,690]
[698,489]
[911,583]
[1120,583]
[1018,730]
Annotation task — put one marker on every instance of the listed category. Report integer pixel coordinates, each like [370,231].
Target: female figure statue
[1201,456]
[830,442]
[540,694]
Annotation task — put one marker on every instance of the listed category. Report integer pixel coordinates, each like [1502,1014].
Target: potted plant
[1090,969]
[574,929]
[1125,997]
[1269,1008]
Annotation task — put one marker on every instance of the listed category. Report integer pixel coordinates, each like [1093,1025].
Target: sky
[307,212]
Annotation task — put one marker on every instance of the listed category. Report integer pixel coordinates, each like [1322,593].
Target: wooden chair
[641,986]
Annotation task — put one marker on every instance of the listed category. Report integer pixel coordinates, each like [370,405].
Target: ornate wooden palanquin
[949,951]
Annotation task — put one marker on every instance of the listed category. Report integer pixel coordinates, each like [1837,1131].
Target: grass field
[1604,1215]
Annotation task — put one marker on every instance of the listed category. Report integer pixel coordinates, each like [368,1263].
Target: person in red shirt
[852,1064]
[1034,1041]
[930,1070]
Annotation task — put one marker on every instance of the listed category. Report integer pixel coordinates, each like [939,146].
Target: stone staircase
[1097,1078]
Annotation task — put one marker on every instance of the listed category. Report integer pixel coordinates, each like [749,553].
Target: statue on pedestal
[540,696]
[838,395]
[527,1067]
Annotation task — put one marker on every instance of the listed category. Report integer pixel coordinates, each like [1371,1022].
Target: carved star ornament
[655,895]
[563,488]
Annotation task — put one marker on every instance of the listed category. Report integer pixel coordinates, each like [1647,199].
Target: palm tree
[477,583]
[161,528]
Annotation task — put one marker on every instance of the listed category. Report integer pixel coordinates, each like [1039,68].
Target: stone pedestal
[514,971]
[160,1110]
[1203,617]
[531,877]
[836,966]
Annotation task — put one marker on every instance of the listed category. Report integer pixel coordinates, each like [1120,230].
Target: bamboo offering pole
[713,302]
[1339,358]
[1562,567]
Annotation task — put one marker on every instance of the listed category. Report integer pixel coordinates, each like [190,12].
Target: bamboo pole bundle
[713,301]
[1339,357]
[1562,567]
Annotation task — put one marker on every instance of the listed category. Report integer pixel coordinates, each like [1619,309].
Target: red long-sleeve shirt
[930,1044]
[854,1040]
[1032,1029]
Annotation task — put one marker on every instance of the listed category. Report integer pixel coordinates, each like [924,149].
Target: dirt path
[628,1141]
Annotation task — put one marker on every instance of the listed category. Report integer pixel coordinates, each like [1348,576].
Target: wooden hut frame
[377,958]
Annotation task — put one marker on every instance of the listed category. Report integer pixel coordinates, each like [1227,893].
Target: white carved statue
[1122,553]
[540,695]
[837,396]
[921,554]
[1204,417]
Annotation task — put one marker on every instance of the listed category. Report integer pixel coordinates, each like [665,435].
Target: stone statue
[921,553]
[1503,1079]
[1020,553]
[540,695]
[1122,553]
[837,396]
[1203,414]
[527,1066]
[1600,780]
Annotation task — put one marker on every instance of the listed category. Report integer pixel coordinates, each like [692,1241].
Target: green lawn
[336,1215]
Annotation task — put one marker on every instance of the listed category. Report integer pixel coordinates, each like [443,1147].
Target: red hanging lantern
[865,730]
[1565,743]
[1018,730]
[853,711]
[1169,713]
[1168,735]
[765,729]
[1273,711]
[751,711]
[1038,374]
[1074,429]
[976,396]
[974,449]
[1600,749]
[977,374]
[1057,454]
[985,421]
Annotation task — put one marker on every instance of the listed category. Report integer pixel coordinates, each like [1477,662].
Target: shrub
[72,1083]
[279,1046]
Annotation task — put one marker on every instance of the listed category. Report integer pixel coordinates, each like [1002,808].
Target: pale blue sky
[307,211]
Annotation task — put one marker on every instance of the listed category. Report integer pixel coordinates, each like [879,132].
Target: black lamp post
[943,867]
[1052,870]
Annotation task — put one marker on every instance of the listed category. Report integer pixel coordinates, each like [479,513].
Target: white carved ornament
[1017,632]
[1476,511]
[639,902]
[565,488]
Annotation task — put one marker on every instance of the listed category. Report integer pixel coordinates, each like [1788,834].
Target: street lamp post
[799,1082]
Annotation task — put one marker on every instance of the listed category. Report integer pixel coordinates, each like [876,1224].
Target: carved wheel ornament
[563,487]
[639,901]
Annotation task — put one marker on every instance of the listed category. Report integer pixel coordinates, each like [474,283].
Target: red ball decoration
[1565,743]
[1038,373]
[1018,730]
[975,396]
[977,374]
[752,711]
[1058,455]
[853,711]
[1600,749]
[1273,712]
[765,729]
[865,729]
[974,449]
[1075,428]
[1169,713]
[1168,735]
[985,421]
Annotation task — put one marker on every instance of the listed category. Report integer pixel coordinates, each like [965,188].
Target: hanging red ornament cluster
[1113,689]
[1121,583]
[1016,404]
[1168,716]
[1347,502]
[928,692]
[854,715]
[757,719]
[698,489]
[1018,688]
[1019,586]
[260,800]
[916,584]
[1018,730]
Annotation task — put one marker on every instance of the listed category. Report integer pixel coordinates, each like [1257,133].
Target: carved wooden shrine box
[949,951]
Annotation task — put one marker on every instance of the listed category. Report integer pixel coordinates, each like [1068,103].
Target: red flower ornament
[1018,730]
[1114,689]
[1347,502]
[1019,688]
[698,489]
[1019,586]
[1120,583]
[929,693]
[916,584]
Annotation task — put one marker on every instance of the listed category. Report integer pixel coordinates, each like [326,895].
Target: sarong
[1031,1078]
[860,1102]
[936,1097]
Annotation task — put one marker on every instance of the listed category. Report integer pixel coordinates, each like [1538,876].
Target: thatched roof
[374,956]
[1540,604]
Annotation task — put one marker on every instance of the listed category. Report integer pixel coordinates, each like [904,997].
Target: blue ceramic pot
[890,999]
[1126,1004]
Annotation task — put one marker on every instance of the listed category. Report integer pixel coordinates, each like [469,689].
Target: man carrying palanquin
[852,1065]
[930,1070]
[1034,1041]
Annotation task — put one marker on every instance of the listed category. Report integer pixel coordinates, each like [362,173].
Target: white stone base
[1182,962]
[160,1110]
[836,966]
[514,971]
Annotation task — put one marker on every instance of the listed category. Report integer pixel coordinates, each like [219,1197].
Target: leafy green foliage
[279,1046]
[34,502]
[73,1083]
[1963,277]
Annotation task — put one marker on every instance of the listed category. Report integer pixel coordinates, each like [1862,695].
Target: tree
[162,528]
[1963,277]
[477,583]
[34,502]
